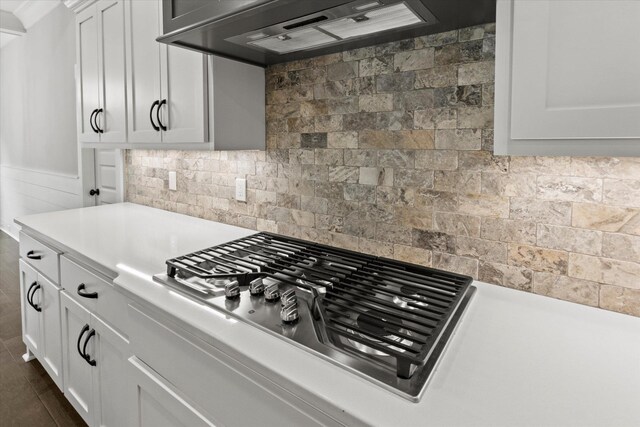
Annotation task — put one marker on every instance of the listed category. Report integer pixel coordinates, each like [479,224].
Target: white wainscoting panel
[26,192]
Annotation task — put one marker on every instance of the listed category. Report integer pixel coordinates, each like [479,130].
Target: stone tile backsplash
[388,150]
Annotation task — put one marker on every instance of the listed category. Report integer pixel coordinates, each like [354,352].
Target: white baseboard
[12,233]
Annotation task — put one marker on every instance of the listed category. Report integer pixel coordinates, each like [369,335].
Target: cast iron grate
[387,306]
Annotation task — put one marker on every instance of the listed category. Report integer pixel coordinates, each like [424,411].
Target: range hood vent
[306,38]
[265,32]
[378,20]
[316,31]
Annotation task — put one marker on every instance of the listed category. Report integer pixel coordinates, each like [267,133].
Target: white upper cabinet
[166,85]
[133,92]
[87,98]
[237,105]
[101,68]
[112,121]
[184,95]
[567,77]
[143,70]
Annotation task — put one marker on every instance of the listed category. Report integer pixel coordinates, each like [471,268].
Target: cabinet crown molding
[78,5]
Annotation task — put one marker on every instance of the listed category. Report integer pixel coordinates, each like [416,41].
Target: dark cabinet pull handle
[81,291]
[163,127]
[91,120]
[31,293]
[28,296]
[156,128]
[94,192]
[31,255]
[90,361]
[100,110]
[82,332]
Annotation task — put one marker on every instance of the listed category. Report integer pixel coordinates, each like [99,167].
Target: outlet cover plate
[172,181]
[241,189]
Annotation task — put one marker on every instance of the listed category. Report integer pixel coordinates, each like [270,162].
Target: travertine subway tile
[485,250]
[457,224]
[548,212]
[605,270]
[623,300]
[457,264]
[538,259]
[622,247]
[510,276]
[509,230]
[569,239]
[567,288]
[622,192]
[412,255]
[606,218]
[569,188]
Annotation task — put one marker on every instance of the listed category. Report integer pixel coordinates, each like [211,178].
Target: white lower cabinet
[50,333]
[157,403]
[30,315]
[203,377]
[40,304]
[77,371]
[94,359]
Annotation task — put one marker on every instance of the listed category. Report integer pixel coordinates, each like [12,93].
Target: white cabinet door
[51,338]
[156,403]
[143,69]
[108,172]
[184,95]
[566,82]
[110,351]
[30,296]
[112,120]
[87,92]
[76,326]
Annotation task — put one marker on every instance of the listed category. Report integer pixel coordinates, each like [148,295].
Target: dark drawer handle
[31,255]
[82,332]
[90,361]
[84,294]
[31,293]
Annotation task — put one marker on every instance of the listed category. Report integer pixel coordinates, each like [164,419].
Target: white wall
[38,149]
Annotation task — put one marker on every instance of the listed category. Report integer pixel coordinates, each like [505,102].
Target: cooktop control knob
[289,313]
[288,297]
[272,292]
[256,287]
[232,290]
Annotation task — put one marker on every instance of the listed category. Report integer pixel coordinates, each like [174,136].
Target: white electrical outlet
[173,181]
[241,189]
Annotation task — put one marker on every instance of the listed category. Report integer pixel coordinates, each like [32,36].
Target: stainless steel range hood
[265,32]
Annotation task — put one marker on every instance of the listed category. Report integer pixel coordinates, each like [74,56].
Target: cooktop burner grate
[373,305]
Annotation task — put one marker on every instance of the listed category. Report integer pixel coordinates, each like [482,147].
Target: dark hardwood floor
[28,396]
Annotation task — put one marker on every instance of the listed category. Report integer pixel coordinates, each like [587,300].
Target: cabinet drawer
[213,380]
[95,294]
[40,256]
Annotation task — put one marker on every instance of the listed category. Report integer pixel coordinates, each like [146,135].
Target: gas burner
[382,319]
[374,323]
[218,283]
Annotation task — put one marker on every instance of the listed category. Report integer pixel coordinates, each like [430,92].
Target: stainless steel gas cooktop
[384,320]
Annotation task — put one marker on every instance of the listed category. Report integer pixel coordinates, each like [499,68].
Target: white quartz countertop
[517,359]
